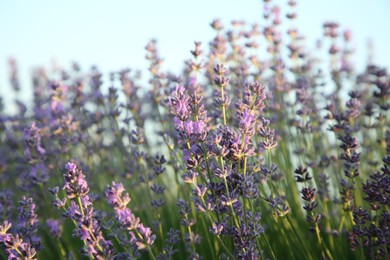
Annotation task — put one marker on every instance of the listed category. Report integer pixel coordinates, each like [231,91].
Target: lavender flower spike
[83,215]
[141,236]
[15,247]
[75,183]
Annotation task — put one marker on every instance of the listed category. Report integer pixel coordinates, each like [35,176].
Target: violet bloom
[14,77]
[179,104]
[359,237]
[172,239]
[180,107]
[54,227]
[32,138]
[194,128]
[58,98]
[83,214]
[35,155]
[247,123]
[37,174]
[15,247]
[27,224]
[75,183]
[6,203]
[309,195]
[268,134]
[141,236]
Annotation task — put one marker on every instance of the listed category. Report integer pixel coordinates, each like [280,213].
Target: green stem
[223,105]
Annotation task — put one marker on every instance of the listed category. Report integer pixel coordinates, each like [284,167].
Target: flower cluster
[253,151]
[82,213]
[22,242]
[141,237]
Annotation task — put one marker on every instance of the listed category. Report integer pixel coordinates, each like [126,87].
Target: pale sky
[113,34]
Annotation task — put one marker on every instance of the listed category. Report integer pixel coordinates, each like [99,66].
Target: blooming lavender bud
[172,239]
[157,203]
[193,238]
[221,81]
[202,205]
[114,195]
[222,174]
[6,203]
[197,52]
[254,223]
[250,188]
[179,104]
[254,96]
[147,237]
[15,244]
[173,236]
[353,108]
[219,101]
[157,189]
[247,123]
[184,208]
[308,194]
[216,228]
[137,136]
[54,227]
[346,193]
[216,25]
[32,137]
[83,214]
[302,174]
[190,176]
[268,134]
[228,201]
[75,183]
[57,98]
[58,203]
[27,224]
[3,230]
[126,218]
[360,216]
[54,191]
[15,247]
[348,143]
[200,190]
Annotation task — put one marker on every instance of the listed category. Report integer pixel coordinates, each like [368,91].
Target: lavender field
[257,149]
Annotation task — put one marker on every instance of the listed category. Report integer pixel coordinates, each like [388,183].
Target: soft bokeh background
[112,34]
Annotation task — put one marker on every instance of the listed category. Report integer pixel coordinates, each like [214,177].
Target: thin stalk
[223,105]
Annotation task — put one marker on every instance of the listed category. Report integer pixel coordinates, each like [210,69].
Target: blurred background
[113,34]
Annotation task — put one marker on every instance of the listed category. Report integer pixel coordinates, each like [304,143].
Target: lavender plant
[255,150]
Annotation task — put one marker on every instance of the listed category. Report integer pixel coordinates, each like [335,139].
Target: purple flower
[216,229]
[6,203]
[247,123]
[75,183]
[54,227]
[141,236]
[58,97]
[179,104]
[83,214]
[3,231]
[147,237]
[114,195]
[74,211]
[15,247]
[197,127]
[32,138]
[27,224]
[127,218]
